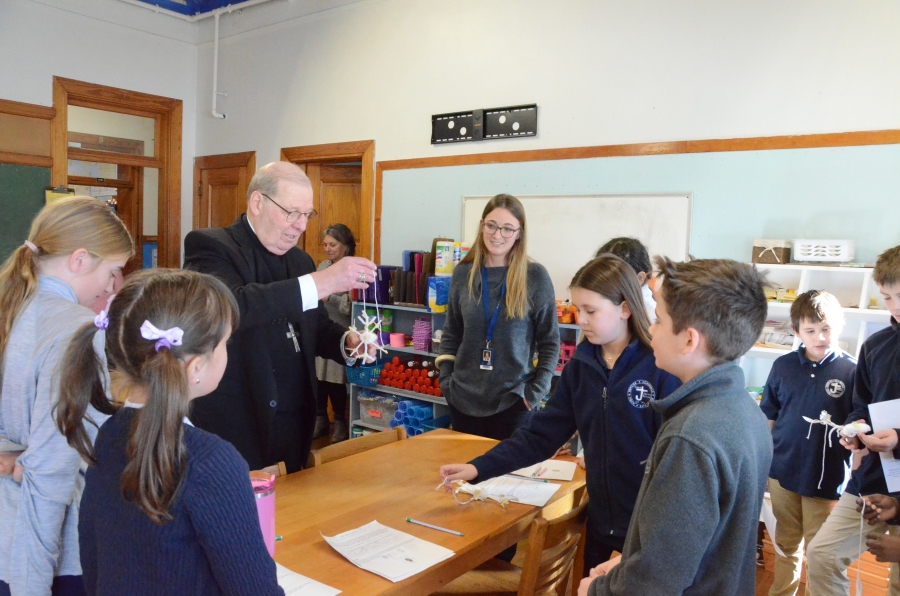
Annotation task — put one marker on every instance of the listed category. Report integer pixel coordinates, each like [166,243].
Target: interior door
[124,190]
[336,196]
[221,183]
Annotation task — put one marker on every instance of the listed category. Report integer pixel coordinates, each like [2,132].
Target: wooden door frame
[17,108]
[363,151]
[165,111]
[246,159]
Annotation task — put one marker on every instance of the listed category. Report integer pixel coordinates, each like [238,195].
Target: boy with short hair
[695,521]
[809,467]
[877,380]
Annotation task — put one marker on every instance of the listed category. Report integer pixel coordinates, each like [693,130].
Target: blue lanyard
[490,320]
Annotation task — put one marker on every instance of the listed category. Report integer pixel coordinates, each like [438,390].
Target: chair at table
[354,446]
[276,469]
[552,557]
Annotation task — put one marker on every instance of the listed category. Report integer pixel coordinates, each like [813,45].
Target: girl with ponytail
[74,250]
[167,508]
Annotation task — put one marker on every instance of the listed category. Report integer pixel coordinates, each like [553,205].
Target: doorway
[220,188]
[342,177]
[160,164]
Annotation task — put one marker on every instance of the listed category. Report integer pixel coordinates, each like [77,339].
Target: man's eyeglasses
[293,216]
[491,227]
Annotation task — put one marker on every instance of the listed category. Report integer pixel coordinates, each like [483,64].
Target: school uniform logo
[835,388]
[640,394]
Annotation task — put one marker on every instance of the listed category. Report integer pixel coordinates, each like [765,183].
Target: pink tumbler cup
[264,491]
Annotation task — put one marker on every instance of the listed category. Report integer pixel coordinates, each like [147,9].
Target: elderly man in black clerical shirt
[265,404]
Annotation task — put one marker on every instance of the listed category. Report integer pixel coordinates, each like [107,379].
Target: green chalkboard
[21,197]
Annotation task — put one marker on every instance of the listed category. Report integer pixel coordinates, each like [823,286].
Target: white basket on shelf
[831,251]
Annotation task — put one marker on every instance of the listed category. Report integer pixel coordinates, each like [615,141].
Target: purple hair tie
[102,319]
[167,337]
[31,246]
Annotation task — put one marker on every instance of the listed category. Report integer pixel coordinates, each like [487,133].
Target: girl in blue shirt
[166,507]
[603,393]
[74,250]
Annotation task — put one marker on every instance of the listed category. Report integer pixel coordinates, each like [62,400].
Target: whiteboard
[565,231]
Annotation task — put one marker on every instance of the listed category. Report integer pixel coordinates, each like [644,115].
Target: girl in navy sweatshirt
[167,508]
[603,393]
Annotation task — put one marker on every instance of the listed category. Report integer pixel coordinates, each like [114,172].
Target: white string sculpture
[848,430]
[476,493]
[369,335]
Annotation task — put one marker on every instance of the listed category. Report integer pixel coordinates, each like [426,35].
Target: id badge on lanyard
[490,321]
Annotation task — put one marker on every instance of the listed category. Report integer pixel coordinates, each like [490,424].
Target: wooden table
[389,484]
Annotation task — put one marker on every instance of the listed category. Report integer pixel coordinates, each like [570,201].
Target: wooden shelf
[407,350]
[408,394]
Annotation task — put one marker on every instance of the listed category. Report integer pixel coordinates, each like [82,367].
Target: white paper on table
[886,415]
[387,552]
[527,492]
[299,585]
[552,469]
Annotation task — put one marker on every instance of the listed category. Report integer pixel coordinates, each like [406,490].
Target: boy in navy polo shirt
[807,474]
[877,379]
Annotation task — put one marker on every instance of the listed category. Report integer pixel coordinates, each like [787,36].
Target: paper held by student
[522,491]
[295,584]
[552,469]
[387,552]
[886,415]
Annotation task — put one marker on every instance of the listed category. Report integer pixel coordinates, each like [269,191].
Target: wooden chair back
[553,548]
[276,469]
[358,445]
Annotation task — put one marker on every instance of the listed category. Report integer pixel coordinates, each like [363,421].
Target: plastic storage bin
[366,375]
[377,410]
[830,251]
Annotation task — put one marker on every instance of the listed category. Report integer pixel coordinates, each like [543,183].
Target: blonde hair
[59,229]
[204,308]
[614,279]
[517,277]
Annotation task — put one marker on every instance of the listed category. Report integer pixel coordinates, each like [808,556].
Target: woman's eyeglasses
[293,216]
[506,232]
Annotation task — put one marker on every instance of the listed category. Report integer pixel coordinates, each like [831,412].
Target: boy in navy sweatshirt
[695,521]
[836,545]
[809,466]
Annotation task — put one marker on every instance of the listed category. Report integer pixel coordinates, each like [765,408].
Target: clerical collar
[252,229]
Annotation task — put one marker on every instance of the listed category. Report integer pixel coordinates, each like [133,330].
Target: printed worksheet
[527,492]
[295,584]
[886,415]
[390,553]
[552,469]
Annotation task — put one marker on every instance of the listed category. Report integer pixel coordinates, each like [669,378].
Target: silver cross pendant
[291,334]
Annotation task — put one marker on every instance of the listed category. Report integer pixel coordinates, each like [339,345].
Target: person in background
[635,254]
[74,250]
[501,310]
[266,405]
[605,393]
[809,467]
[338,242]
[836,544]
[167,508]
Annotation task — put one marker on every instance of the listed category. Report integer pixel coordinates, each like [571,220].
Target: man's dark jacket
[242,409]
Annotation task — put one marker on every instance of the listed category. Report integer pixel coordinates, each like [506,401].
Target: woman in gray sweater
[501,310]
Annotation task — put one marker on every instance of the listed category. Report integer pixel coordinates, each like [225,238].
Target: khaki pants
[798,519]
[836,546]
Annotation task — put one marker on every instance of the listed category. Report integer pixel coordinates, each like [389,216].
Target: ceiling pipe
[215,84]
[196,17]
